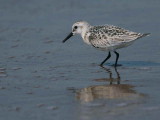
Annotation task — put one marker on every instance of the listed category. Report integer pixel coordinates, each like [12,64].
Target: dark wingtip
[143,35]
[146,34]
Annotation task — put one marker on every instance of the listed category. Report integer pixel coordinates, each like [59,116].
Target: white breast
[85,36]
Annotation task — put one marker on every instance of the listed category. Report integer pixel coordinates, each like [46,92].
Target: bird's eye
[75,27]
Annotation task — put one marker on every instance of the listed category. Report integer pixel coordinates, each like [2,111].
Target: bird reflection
[110,79]
[108,91]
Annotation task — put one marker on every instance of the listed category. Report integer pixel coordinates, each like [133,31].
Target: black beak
[70,35]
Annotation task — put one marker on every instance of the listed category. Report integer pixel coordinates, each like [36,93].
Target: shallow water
[41,78]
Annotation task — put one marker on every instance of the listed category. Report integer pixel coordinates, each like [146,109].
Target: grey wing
[127,37]
[111,36]
[98,41]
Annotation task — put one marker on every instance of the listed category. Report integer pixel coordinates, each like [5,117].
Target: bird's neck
[84,35]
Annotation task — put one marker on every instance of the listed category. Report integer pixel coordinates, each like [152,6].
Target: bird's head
[77,28]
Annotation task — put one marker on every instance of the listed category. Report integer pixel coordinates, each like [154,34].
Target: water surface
[41,78]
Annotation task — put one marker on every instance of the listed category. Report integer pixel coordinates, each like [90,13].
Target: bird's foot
[101,65]
[118,65]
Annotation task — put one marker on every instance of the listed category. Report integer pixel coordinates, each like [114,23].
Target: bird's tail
[143,35]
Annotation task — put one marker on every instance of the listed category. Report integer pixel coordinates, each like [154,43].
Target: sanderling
[106,37]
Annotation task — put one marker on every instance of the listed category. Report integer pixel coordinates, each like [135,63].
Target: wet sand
[43,79]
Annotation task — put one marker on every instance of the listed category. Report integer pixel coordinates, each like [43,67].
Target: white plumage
[105,37]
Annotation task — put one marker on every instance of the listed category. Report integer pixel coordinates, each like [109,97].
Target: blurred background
[42,78]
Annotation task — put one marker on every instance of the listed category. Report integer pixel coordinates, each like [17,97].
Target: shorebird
[105,37]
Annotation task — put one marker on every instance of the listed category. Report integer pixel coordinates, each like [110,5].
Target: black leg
[118,76]
[109,55]
[117,56]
